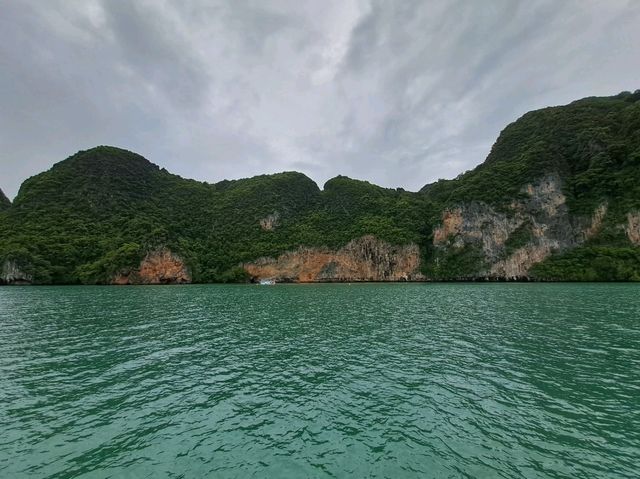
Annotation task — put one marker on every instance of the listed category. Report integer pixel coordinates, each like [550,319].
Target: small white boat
[267,282]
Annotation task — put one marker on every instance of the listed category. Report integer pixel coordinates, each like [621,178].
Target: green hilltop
[101,210]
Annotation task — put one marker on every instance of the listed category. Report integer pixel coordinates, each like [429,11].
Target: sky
[399,93]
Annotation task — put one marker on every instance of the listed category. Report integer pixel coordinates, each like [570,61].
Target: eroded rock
[632,227]
[544,217]
[158,267]
[363,259]
[14,274]
[270,222]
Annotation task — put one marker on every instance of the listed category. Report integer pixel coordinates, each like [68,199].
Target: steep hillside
[100,212]
[4,201]
[558,198]
[558,179]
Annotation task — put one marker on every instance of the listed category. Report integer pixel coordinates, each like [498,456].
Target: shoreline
[467,281]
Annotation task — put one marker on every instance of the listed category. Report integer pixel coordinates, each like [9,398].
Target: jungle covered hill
[558,198]
[4,201]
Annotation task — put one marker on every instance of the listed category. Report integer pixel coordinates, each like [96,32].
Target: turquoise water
[372,380]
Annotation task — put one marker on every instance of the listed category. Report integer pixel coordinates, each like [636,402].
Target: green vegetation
[101,210]
[593,144]
[4,201]
[519,238]
[455,263]
[591,264]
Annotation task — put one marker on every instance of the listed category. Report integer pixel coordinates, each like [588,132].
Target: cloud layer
[397,93]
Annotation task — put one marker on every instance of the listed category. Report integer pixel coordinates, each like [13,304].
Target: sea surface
[297,381]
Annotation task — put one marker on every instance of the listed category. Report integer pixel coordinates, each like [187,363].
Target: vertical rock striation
[269,222]
[158,267]
[14,274]
[511,242]
[363,259]
[632,228]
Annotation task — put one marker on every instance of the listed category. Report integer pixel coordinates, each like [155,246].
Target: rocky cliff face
[363,259]
[510,242]
[270,222]
[158,267]
[13,273]
[88,217]
[632,228]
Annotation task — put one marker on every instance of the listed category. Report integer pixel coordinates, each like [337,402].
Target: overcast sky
[396,92]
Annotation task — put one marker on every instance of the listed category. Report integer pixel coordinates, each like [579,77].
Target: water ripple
[449,380]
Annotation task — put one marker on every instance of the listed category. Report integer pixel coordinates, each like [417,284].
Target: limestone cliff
[509,242]
[13,273]
[557,198]
[157,267]
[632,228]
[270,222]
[363,259]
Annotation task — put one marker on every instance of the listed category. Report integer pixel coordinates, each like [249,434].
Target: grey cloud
[397,93]
[152,47]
